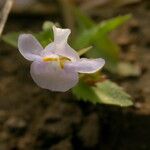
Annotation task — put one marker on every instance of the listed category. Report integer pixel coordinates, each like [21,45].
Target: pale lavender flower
[56,67]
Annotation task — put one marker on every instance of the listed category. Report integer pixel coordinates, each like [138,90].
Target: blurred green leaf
[11,38]
[107,49]
[100,30]
[105,92]
[111,93]
[44,38]
[84,92]
[98,36]
[84,50]
[111,24]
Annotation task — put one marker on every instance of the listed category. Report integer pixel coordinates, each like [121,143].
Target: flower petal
[51,76]
[85,65]
[29,47]
[49,49]
[66,51]
[62,48]
[61,35]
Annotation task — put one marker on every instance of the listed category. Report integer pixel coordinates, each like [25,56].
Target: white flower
[56,67]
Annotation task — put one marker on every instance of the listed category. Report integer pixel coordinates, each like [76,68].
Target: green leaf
[84,50]
[85,92]
[105,92]
[111,93]
[98,36]
[107,49]
[11,38]
[100,29]
[111,24]
[44,38]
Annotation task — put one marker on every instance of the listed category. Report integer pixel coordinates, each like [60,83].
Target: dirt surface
[32,118]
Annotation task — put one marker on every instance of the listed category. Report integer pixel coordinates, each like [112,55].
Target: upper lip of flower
[62,75]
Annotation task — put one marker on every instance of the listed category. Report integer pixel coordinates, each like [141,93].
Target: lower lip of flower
[60,60]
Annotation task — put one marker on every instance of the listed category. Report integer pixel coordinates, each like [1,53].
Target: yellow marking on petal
[47,59]
[60,60]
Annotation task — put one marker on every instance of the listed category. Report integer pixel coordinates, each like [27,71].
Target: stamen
[61,65]
[46,59]
[60,60]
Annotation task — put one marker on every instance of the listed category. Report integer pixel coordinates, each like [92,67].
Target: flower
[57,66]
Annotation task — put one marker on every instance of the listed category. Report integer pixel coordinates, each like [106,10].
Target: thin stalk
[4,14]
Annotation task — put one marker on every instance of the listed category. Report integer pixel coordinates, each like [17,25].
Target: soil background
[32,118]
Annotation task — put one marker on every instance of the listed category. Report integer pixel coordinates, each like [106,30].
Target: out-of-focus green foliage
[11,38]
[105,92]
[84,50]
[45,37]
[97,35]
[85,92]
